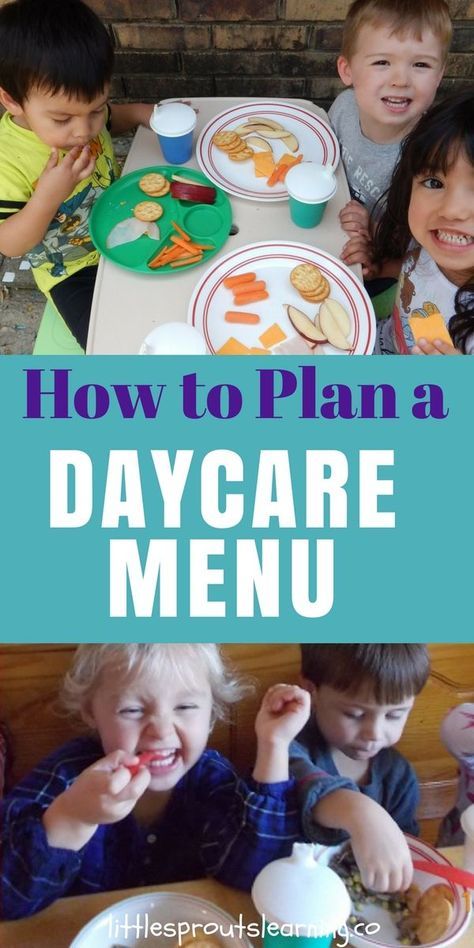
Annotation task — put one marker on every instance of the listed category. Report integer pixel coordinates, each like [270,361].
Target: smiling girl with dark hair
[429,222]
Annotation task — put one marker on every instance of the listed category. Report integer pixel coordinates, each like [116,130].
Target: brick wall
[244,47]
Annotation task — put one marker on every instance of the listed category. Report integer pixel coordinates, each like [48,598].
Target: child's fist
[283,713]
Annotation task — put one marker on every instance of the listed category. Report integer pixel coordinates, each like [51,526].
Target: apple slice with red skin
[186,190]
[305,326]
[145,758]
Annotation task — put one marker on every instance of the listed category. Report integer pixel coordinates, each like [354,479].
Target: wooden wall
[30,676]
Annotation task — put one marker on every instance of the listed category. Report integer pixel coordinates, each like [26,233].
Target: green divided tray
[205,223]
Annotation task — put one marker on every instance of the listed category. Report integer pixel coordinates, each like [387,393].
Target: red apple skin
[298,320]
[193,192]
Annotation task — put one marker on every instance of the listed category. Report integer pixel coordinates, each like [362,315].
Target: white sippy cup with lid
[303,904]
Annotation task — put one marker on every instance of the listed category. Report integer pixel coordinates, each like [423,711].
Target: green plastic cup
[280,940]
[310,188]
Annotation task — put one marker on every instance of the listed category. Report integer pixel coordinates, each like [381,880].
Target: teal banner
[236,499]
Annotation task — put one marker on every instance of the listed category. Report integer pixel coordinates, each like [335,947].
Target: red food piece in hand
[145,758]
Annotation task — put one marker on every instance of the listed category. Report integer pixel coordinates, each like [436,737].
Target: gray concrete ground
[21,304]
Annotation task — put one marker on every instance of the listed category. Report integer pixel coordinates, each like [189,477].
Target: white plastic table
[127,306]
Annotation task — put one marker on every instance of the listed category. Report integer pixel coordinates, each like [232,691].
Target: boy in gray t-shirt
[393,57]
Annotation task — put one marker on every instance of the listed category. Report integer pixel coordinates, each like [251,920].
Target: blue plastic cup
[174,124]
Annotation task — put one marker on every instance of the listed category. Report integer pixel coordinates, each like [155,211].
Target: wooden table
[57,925]
[128,305]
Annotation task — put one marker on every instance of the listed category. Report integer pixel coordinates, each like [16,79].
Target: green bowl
[205,223]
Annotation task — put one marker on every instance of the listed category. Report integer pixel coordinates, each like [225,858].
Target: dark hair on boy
[54,46]
[393,672]
[445,131]
[400,17]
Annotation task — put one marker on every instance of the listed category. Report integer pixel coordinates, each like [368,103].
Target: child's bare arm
[283,713]
[128,115]
[103,793]
[27,227]
[380,848]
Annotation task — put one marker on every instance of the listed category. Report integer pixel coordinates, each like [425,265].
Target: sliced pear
[305,326]
[290,141]
[257,142]
[335,323]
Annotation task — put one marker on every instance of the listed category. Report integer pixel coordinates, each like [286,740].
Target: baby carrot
[167,254]
[233,317]
[253,286]
[185,244]
[251,297]
[231,281]
[182,233]
[285,168]
[186,260]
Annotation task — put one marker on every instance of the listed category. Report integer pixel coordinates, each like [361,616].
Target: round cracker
[152,183]
[159,194]
[306,278]
[148,211]
[317,295]
[225,139]
[412,897]
[437,891]
[242,155]
[433,922]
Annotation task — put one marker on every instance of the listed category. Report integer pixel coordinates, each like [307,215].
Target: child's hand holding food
[381,850]
[379,846]
[105,792]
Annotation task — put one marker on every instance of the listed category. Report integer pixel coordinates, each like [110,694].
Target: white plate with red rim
[141,920]
[387,935]
[273,261]
[316,142]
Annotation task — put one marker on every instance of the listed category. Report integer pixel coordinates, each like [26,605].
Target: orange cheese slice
[233,347]
[257,351]
[288,159]
[272,336]
[264,164]
[430,327]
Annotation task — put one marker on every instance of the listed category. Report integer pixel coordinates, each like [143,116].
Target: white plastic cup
[310,186]
[174,124]
[467,823]
[174,339]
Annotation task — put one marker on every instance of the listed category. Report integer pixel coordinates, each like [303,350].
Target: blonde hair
[183,661]
[401,16]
